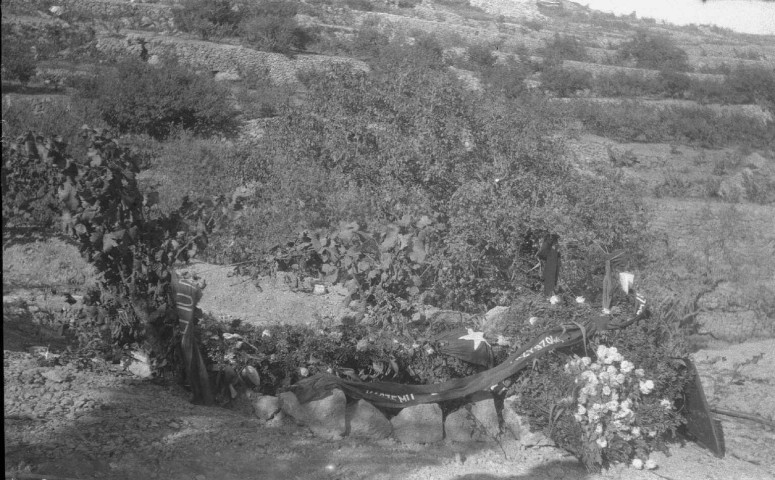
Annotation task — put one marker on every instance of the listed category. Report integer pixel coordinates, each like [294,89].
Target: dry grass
[46,263]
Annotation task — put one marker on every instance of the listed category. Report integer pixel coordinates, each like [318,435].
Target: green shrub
[565,82]
[632,121]
[621,84]
[18,61]
[481,56]
[675,84]
[654,52]
[753,85]
[156,100]
[507,79]
[275,33]
[564,47]
[208,18]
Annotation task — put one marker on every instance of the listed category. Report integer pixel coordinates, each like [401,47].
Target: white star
[477,337]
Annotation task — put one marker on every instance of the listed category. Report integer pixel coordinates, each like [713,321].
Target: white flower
[533,320]
[636,431]
[651,464]
[577,417]
[666,403]
[652,433]
[626,404]
[304,372]
[580,299]
[612,406]
[606,311]
[646,387]
[637,463]
[602,442]
[586,361]
[620,379]
[554,300]
[612,371]
[639,372]
[599,429]
[266,333]
[582,410]
[626,366]
[601,351]
[606,390]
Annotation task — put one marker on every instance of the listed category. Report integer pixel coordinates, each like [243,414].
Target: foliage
[507,79]
[564,47]
[621,84]
[18,61]
[551,397]
[141,98]
[565,82]
[267,25]
[754,85]
[208,18]
[675,84]
[131,246]
[632,121]
[481,56]
[652,51]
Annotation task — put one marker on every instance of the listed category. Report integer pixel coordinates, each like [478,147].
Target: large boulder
[419,424]
[517,427]
[364,420]
[266,407]
[476,421]
[325,417]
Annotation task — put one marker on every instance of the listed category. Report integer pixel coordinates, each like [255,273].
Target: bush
[274,33]
[564,47]
[654,52]
[481,56]
[507,80]
[565,82]
[675,84]
[753,85]
[621,84]
[208,18]
[18,61]
[156,100]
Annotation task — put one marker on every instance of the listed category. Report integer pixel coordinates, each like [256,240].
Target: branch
[748,416]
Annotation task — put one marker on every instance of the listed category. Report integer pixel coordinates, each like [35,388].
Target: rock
[266,407]
[325,417]
[140,369]
[517,427]
[55,375]
[291,407]
[226,77]
[733,188]
[476,421]
[364,420]
[419,424]
[486,415]
[756,161]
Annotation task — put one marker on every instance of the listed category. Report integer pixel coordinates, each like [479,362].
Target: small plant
[615,410]
[481,56]
[565,82]
[675,84]
[18,61]
[156,100]
[655,52]
[564,47]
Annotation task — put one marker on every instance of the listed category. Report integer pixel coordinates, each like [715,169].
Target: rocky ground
[66,417]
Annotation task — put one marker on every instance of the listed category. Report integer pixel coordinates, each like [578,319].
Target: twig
[747,416]
[35,476]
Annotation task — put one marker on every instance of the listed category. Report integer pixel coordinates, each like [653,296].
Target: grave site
[367,239]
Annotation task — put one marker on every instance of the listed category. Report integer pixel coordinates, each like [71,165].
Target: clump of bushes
[267,25]
[565,82]
[647,50]
[158,99]
[18,61]
[564,47]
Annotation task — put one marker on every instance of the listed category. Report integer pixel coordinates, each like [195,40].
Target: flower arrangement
[609,394]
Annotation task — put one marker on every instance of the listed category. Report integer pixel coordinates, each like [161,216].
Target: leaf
[424,221]
[108,242]
[417,254]
[80,229]
[391,237]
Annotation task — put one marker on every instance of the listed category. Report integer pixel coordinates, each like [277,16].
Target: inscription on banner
[547,341]
[396,398]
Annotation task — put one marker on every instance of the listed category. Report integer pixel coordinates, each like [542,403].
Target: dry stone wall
[230,59]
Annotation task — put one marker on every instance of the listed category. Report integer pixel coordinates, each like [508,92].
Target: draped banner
[187,295]
[396,395]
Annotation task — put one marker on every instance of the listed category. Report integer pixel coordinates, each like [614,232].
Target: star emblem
[476,337]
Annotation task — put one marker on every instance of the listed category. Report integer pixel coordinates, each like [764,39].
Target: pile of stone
[334,417]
